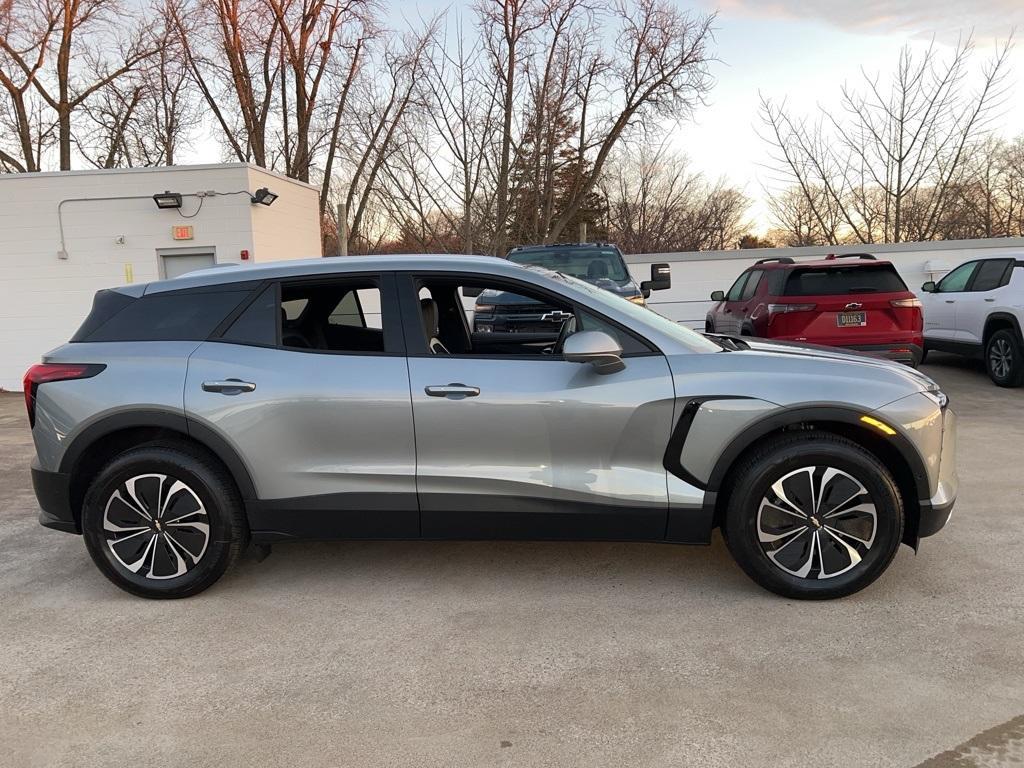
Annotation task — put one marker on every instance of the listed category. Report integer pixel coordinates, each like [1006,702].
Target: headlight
[638,300]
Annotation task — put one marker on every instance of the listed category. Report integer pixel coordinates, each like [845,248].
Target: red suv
[852,301]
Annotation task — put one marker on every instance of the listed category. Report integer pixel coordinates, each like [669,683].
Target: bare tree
[889,159]
[656,204]
[804,217]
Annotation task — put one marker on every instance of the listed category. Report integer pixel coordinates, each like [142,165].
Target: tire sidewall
[751,488]
[1013,378]
[193,473]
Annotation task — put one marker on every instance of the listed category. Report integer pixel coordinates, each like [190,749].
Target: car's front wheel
[1004,359]
[163,521]
[813,515]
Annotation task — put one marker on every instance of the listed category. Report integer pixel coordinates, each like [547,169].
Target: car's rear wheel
[1004,359]
[813,515]
[163,521]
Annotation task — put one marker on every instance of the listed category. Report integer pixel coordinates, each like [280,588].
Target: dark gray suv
[351,398]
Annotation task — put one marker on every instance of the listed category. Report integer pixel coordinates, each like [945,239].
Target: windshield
[646,316]
[583,263]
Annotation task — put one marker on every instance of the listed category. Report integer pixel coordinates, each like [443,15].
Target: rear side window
[838,281]
[105,305]
[186,316]
[258,323]
[991,274]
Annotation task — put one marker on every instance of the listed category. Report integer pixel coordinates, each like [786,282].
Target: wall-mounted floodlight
[167,199]
[264,196]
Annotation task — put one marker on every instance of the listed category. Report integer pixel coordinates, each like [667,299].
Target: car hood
[626,289]
[851,357]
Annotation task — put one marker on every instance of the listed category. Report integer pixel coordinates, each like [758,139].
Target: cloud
[944,19]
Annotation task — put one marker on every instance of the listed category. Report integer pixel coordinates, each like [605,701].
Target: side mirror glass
[928,287]
[718,295]
[661,279]
[594,347]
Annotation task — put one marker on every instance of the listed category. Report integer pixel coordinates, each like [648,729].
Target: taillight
[905,303]
[780,309]
[45,372]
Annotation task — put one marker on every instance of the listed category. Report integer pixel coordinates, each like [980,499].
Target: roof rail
[780,259]
[833,256]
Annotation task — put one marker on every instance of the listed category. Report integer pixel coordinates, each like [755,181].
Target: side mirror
[594,347]
[718,295]
[471,292]
[661,278]
[929,287]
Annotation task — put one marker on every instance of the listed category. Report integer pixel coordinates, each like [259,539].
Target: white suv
[978,310]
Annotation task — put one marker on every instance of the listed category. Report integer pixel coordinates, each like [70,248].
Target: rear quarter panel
[147,375]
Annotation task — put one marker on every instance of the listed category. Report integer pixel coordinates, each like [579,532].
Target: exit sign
[183,232]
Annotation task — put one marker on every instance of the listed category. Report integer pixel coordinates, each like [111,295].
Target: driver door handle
[229,386]
[455,391]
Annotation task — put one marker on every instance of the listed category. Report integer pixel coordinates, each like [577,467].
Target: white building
[696,274]
[64,236]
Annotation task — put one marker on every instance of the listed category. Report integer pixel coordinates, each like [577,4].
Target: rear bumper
[910,354]
[53,492]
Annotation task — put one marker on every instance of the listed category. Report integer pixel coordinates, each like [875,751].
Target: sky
[800,51]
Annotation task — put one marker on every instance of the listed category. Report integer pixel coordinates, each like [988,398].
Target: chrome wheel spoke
[156,526]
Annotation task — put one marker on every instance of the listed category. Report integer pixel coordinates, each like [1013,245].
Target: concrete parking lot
[475,654]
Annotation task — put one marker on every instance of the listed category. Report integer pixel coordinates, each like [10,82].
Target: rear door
[941,307]
[851,304]
[309,385]
[974,307]
[513,441]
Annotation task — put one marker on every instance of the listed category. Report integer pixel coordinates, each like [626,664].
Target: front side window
[736,291]
[592,264]
[750,288]
[957,280]
[486,317]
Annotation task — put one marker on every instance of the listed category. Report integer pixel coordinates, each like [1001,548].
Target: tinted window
[837,281]
[737,288]
[750,288]
[584,263]
[328,316]
[630,344]
[105,305]
[990,274]
[190,316]
[957,280]
[258,323]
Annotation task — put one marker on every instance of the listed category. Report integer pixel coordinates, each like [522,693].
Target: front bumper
[53,492]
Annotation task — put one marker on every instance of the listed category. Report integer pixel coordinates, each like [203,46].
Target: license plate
[851,319]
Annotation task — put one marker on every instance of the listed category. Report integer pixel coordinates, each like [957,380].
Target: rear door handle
[229,386]
[950,301]
[455,391]
[989,299]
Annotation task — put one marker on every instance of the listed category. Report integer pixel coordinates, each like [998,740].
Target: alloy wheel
[816,522]
[156,526]
[1000,358]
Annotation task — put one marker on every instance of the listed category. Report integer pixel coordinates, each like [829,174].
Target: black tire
[1004,358]
[924,356]
[788,458]
[116,534]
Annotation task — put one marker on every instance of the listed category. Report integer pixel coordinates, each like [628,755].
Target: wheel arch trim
[1000,317]
[157,418]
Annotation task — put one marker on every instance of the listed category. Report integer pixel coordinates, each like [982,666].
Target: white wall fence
[696,274]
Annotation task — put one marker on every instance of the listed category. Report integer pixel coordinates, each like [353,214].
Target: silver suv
[350,398]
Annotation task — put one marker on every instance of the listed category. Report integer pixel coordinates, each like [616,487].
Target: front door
[310,387]
[940,307]
[515,442]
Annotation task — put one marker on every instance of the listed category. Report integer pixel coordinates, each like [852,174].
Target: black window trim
[412,322]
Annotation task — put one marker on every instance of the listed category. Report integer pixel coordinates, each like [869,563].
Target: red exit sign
[182,232]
